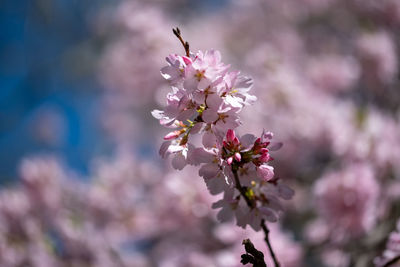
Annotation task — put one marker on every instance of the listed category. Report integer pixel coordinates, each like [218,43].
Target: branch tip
[252,255]
[177,33]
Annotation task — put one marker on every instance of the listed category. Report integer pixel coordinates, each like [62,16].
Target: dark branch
[266,238]
[392,261]
[252,255]
[242,189]
[177,33]
[251,205]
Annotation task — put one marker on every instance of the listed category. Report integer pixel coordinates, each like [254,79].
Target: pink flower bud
[172,135]
[265,157]
[238,157]
[256,147]
[225,144]
[187,60]
[229,160]
[230,135]
[236,141]
[265,172]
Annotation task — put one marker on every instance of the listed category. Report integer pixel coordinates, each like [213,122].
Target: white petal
[158,114]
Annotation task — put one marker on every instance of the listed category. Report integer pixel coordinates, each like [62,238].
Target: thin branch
[266,238]
[177,33]
[242,189]
[252,255]
[251,205]
[392,261]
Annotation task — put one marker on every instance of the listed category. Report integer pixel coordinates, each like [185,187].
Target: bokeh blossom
[347,201]
[392,251]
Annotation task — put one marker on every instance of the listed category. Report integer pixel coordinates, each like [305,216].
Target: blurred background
[81,180]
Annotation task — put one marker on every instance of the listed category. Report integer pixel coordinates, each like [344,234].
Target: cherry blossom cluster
[206,99]
[251,192]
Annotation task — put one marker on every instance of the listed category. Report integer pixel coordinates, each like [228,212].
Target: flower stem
[251,205]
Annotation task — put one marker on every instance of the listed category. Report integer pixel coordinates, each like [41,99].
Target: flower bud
[230,135]
[265,172]
[265,157]
[236,141]
[238,157]
[172,135]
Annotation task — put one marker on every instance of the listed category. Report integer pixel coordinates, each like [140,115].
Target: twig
[266,238]
[394,260]
[242,189]
[177,33]
[251,205]
[252,255]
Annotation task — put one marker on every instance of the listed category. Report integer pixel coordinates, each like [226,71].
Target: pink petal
[265,172]
[285,192]
[178,162]
[266,136]
[225,215]
[216,185]
[275,146]
[247,140]
[196,128]
[187,60]
[209,140]
[209,171]
[199,155]
[269,214]
[164,148]
[209,116]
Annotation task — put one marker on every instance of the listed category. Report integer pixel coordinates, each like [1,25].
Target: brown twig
[266,238]
[242,189]
[252,255]
[251,205]
[394,260]
[177,33]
